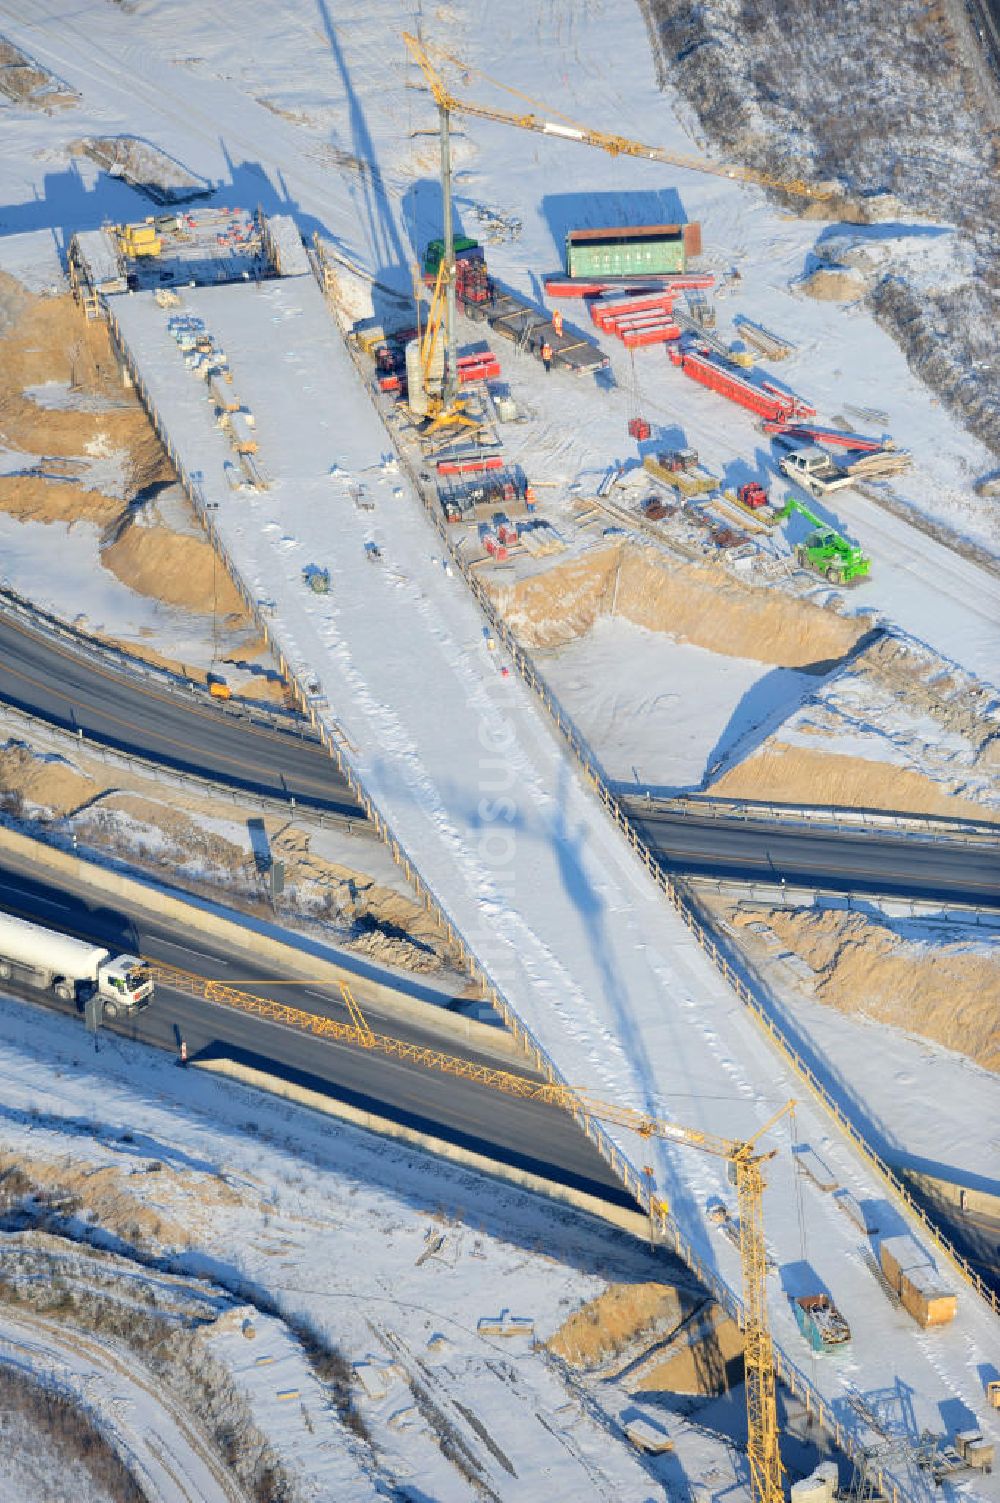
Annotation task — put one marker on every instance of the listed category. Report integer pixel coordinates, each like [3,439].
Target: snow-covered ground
[341,1230]
[580,941]
[662,713]
[473,783]
[59,568]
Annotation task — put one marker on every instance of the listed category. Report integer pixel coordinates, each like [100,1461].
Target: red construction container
[494,547]
[633,339]
[767,401]
[638,428]
[507,533]
[606,310]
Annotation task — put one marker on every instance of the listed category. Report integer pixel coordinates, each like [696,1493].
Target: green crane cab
[825,550]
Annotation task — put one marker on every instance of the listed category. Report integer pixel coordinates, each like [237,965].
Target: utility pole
[451,334]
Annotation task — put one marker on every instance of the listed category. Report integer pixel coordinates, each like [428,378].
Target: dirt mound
[653,1338]
[794,775]
[692,603]
[897,729]
[176,568]
[32,498]
[49,782]
[605,1326]
[945,991]
[833,284]
[47,339]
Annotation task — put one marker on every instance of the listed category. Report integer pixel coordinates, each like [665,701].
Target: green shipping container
[645,251]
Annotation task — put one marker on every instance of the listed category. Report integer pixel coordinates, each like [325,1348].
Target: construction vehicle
[432,374]
[825,550]
[813,469]
[564,129]
[75,970]
[753,496]
[744,1165]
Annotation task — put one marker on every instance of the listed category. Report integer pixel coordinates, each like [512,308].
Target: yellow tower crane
[564,129]
[742,1156]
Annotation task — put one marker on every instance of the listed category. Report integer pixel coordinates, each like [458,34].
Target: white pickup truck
[813,469]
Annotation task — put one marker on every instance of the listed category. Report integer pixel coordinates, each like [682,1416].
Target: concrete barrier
[239,933]
[625,1220]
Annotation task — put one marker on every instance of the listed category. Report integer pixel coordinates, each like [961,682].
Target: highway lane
[816,856]
[129,713]
[124,711]
[524,1134]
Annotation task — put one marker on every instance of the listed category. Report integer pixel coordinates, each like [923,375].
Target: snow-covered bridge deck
[482,795]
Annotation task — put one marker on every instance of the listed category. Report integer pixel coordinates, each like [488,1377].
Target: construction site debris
[821,1323]
[143,166]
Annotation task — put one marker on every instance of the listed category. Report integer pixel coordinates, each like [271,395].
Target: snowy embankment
[471,779]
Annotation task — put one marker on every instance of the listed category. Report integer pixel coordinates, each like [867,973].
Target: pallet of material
[878,466]
[854,1211]
[764,340]
[809,1163]
[912,1274]
[694,482]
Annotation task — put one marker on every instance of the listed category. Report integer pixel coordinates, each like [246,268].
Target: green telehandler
[825,550]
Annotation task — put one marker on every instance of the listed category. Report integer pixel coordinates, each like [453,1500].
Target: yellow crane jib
[615,145]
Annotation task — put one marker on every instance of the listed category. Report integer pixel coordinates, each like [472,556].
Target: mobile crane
[825,550]
[563,129]
[743,1158]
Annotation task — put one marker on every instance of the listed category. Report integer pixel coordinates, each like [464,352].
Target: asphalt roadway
[196,735]
[536,1138]
[759,850]
[188,732]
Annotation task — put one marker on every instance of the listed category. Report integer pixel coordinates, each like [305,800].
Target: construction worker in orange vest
[557,323]
[546,353]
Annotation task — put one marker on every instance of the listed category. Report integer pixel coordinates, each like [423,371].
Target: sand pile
[179,569]
[605,1327]
[653,1338]
[47,339]
[47,781]
[143,1203]
[899,729]
[833,284]
[944,990]
[687,601]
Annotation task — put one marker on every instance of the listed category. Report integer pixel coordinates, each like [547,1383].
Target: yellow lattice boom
[616,145]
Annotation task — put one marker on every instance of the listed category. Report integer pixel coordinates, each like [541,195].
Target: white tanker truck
[74,969]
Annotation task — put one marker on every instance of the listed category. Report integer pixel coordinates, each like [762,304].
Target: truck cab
[124,985]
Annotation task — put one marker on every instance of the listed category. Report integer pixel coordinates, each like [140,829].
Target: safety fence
[640,803]
[42,624]
[289,807]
